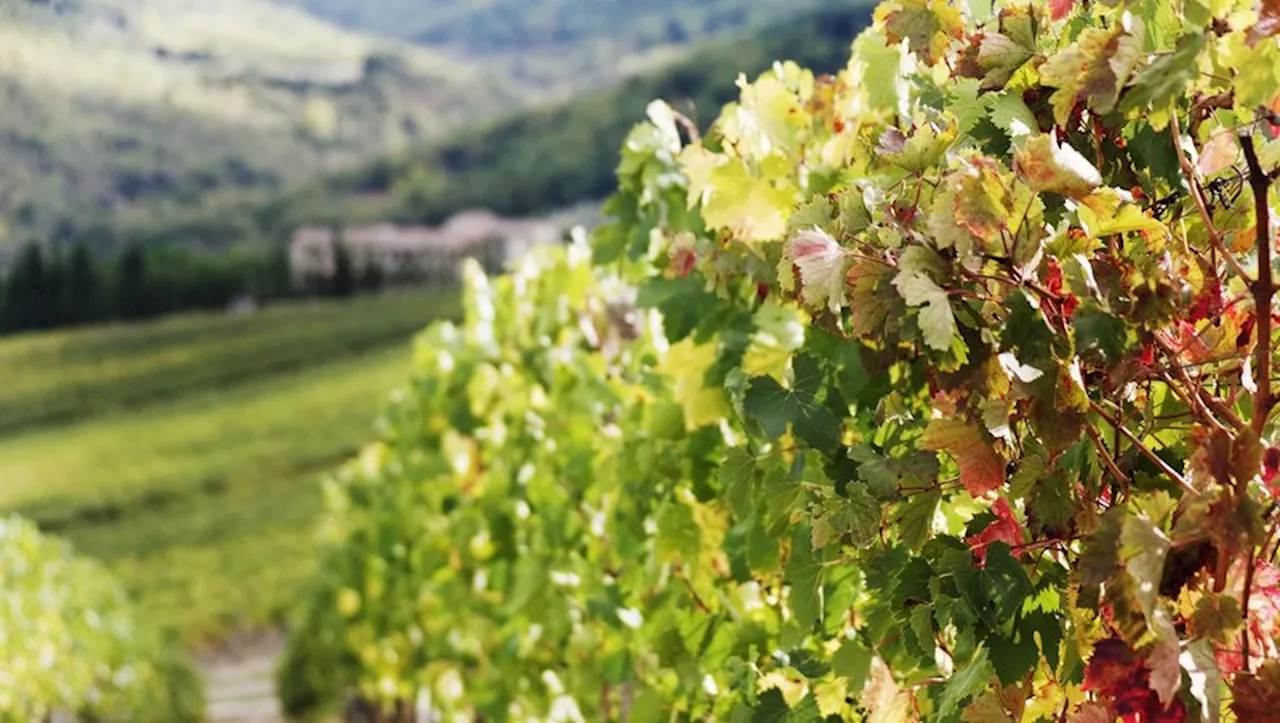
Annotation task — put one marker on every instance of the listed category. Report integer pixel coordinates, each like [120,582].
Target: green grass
[204,498]
[60,376]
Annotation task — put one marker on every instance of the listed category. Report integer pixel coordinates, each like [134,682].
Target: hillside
[185,452]
[109,105]
[531,162]
[136,111]
[559,43]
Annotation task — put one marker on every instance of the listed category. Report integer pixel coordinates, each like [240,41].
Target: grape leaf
[981,467]
[1143,547]
[737,475]
[822,265]
[1004,528]
[872,296]
[915,517]
[928,26]
[999,57]
[965,683]
[1093,69]
[804,573]
[919,151]
[986,708]
[775,407]
[1047,165]
[971,210]
[1156,85]
[1217,618]
[856,515]
[852,661]
[1257,697]
[937,321]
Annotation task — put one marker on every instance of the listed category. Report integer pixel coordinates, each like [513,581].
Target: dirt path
[241,682]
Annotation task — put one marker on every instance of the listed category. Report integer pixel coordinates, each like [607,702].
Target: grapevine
[72,646]
[946,396]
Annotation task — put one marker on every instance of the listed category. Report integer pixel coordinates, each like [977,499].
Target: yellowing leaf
[922,150]
[928,26]
[871,296]
[766,119]
[1094,68]
[752,209]
[821,262]
[971,209]
[1047,165]
[687,364]
[981,467]
[937,321]
[1106,212]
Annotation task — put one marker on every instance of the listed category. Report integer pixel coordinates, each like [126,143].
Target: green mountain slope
[558,42]
[111,105]
[547,158]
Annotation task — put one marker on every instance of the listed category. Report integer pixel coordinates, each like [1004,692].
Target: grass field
[66,375]
[201,491]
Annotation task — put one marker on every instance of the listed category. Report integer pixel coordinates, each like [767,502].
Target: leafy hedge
[949,397]
[71,646]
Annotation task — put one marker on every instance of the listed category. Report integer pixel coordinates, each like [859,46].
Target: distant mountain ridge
[112,105]
[527,163]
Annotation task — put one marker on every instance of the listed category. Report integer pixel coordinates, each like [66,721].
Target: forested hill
[553,43]
[154,109]
[540,160]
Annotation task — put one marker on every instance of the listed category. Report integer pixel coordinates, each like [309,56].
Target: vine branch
[1264,287]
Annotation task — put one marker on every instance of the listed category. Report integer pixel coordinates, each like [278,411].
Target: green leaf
[1158,84]
[1093,69]
[968,680]
[1011,115]
[678,533]
[927,26]
[856,515]
[937,321]
[1100,332]
[804,573]
[852,661]
[872,297]
[1217,618]
[1143,547]
[737,475]
[916,517]
[775,407]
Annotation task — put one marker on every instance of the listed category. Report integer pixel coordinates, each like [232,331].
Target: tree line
[47,286]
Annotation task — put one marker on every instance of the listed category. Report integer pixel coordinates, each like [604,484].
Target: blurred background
[221,222]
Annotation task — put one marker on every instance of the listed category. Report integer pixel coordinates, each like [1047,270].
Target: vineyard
[939,389]
[184,461]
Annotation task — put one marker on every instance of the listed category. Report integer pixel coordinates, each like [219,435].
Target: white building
[421,254]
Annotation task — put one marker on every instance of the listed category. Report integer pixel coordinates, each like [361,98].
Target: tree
[343,282]
[27,304]
[371,276]
[81,300]
[131,293]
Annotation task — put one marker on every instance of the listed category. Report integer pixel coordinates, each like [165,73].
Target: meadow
[186,453]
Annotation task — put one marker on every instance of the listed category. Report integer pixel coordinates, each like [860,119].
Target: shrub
[72,646]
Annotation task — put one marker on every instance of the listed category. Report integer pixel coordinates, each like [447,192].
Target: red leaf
[981,467]
[1210,302]
[1270,468]
[1059,9]
[682,262]
[1004,529]
[1122,682]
